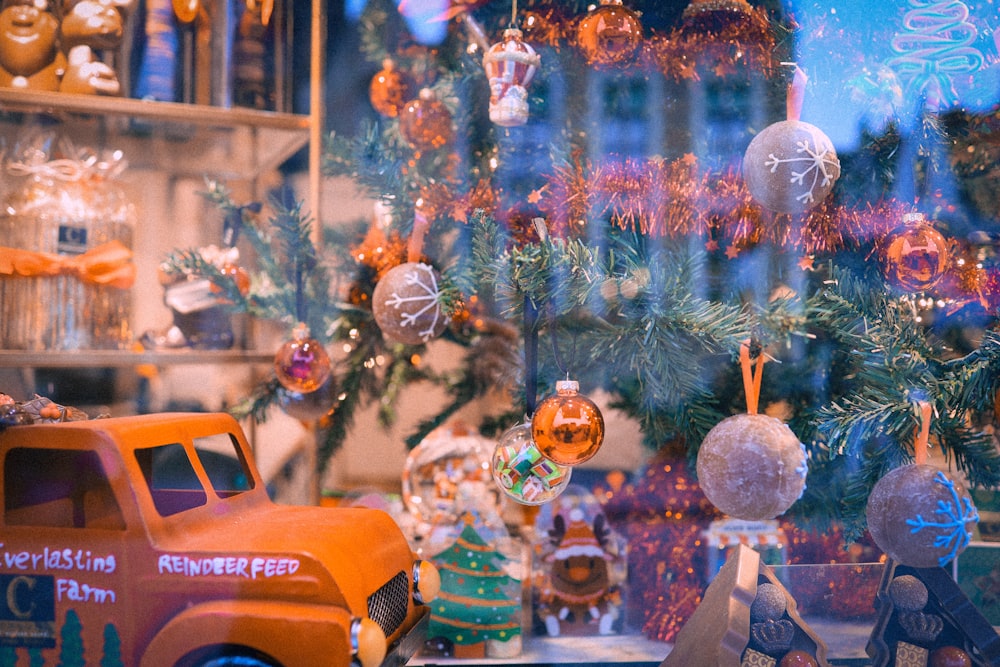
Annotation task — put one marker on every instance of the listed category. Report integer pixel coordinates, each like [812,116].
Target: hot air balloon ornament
[510,66]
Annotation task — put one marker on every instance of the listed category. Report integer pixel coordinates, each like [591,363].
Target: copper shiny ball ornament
[302,364]
[425,122]
[915,256]
[389,90]
[610,34]
[567,427]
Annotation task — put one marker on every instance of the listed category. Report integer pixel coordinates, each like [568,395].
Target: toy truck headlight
[367,642]
[426,581]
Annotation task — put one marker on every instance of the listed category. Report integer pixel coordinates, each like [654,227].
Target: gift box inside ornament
[65,261]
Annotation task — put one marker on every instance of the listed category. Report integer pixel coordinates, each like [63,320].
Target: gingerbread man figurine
[89,26]
[29,51]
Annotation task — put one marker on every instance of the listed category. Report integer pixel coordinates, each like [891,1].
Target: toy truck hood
[346,553]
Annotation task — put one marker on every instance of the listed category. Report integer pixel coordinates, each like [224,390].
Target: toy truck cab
[151,541]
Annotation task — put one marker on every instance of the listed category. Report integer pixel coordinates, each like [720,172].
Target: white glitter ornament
[406,304]
[790,166]
[752,467]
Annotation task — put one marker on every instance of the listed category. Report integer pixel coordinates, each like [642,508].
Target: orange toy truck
[151,541]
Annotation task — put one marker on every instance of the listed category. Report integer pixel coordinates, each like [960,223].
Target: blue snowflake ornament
[953,515]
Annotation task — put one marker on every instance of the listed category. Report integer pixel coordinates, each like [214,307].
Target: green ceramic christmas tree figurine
[479,607]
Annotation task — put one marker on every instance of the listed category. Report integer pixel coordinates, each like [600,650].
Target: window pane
[60,488]
[222,459]
[171,478]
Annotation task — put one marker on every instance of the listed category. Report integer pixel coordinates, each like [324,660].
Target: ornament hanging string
[796,93]
[476,32]
[530,357]
[531,337]
[556,355]
[299,276]
[920,445]
[415,244]
[751,379]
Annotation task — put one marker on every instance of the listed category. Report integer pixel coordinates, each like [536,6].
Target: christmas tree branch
[651,329]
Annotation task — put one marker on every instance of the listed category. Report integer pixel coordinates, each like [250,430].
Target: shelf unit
[164,143]
[127,359]
[181,139]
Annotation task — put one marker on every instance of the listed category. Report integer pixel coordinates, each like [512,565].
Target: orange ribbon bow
[108,264]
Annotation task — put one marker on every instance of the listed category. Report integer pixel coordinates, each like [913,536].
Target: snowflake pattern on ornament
[426,299]
[817,158]
[954,515]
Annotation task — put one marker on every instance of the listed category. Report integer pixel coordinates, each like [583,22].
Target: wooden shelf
[183,139]
[125,359]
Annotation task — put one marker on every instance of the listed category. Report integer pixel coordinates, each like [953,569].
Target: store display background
[372,457]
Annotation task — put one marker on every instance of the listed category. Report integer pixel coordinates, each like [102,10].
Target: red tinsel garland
[724,36]
[710,35]
[671,199]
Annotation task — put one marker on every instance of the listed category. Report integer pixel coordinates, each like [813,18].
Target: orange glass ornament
[311,406]
[916,256]
[302,364]
[186,11]
[389,89]
[425,122]
[567,427]
[610,34]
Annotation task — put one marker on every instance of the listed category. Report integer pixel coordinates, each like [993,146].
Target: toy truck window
[58,488]
[223,460]
[171,478]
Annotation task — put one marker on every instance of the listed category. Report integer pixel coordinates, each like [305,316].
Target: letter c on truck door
[13,598]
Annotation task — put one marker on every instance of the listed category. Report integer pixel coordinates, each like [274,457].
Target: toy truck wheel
[227,657]
[236,661]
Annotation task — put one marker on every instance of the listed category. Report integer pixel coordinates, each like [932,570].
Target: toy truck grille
[387,605]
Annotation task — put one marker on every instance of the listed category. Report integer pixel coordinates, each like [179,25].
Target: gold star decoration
[535,196]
